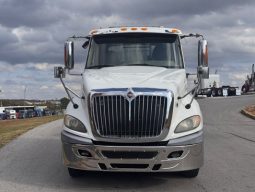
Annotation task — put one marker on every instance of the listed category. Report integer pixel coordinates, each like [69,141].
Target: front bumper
[133,158]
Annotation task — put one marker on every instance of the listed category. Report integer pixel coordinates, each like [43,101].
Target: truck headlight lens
[74,124]
[188,124]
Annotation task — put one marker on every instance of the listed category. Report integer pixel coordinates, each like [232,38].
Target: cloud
[33,33]
[42,66]
[6,36]
[31,13]
[43,87]
[239,76]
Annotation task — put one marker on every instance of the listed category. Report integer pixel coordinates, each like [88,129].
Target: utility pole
[25,95]
[1,100]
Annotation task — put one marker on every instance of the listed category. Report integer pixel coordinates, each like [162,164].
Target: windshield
[149,49]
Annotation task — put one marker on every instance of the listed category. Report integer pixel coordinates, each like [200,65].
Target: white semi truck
[10,114]
[135,112]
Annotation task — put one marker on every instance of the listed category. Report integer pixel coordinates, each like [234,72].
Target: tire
[219,92]
[191,173]
[213,93]
[75,172]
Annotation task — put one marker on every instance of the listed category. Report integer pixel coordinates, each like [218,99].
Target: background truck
[2,113]
[249,85]
[134,111]
[211,87]
[10,114]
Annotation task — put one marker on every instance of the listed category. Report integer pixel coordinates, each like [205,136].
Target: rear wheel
[244,90]
[219,92]
[213,93]
[191,173]
[75,172]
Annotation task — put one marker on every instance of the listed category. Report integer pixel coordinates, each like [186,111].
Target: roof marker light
[93,32]
[123,29]
[144,28]
[134,28]
[175,31]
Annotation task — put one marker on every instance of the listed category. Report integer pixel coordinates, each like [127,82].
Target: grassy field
[10,129]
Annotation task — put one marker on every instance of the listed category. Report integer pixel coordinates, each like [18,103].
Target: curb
[246,113]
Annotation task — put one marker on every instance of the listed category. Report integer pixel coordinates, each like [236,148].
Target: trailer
[211,87]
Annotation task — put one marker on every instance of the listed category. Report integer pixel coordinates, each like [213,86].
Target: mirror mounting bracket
[193,91]
[60,73]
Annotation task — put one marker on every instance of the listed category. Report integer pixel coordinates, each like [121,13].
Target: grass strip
[11,129]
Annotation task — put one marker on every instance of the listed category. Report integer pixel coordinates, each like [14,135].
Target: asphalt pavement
[33,161]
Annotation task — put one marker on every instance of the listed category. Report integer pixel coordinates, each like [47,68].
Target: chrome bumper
[133,158]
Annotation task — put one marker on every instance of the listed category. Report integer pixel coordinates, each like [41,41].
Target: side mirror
[69,55]
[85,45]
[203,69]
[59,72]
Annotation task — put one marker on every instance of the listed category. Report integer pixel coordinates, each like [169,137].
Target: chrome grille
[116,116]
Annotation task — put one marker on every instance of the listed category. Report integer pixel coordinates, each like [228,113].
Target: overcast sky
[32,34]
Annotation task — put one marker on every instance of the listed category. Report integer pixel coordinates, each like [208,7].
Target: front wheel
[191,173]
[75,172]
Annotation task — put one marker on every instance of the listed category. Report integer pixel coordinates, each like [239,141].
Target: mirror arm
[181,97]
[68,90]
[187,106]
[192,35]
[74,37]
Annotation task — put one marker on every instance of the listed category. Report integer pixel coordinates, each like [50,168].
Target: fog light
[175,154]
[102,166]
[156,167]
[84,153]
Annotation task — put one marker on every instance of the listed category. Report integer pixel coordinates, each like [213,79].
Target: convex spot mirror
[59,72]
[69,55]
[203,69]
[85,45]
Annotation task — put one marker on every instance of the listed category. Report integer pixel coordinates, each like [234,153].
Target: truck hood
[135,76]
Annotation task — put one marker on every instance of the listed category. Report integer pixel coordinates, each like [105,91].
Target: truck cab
[10,113]
[135,112]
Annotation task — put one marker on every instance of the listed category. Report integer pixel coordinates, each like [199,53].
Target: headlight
[188,124]
[74,124]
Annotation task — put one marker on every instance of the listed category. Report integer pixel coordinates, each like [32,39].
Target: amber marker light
[93,32]
[175,31]
[144,28]
[123,29]
[134,28]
